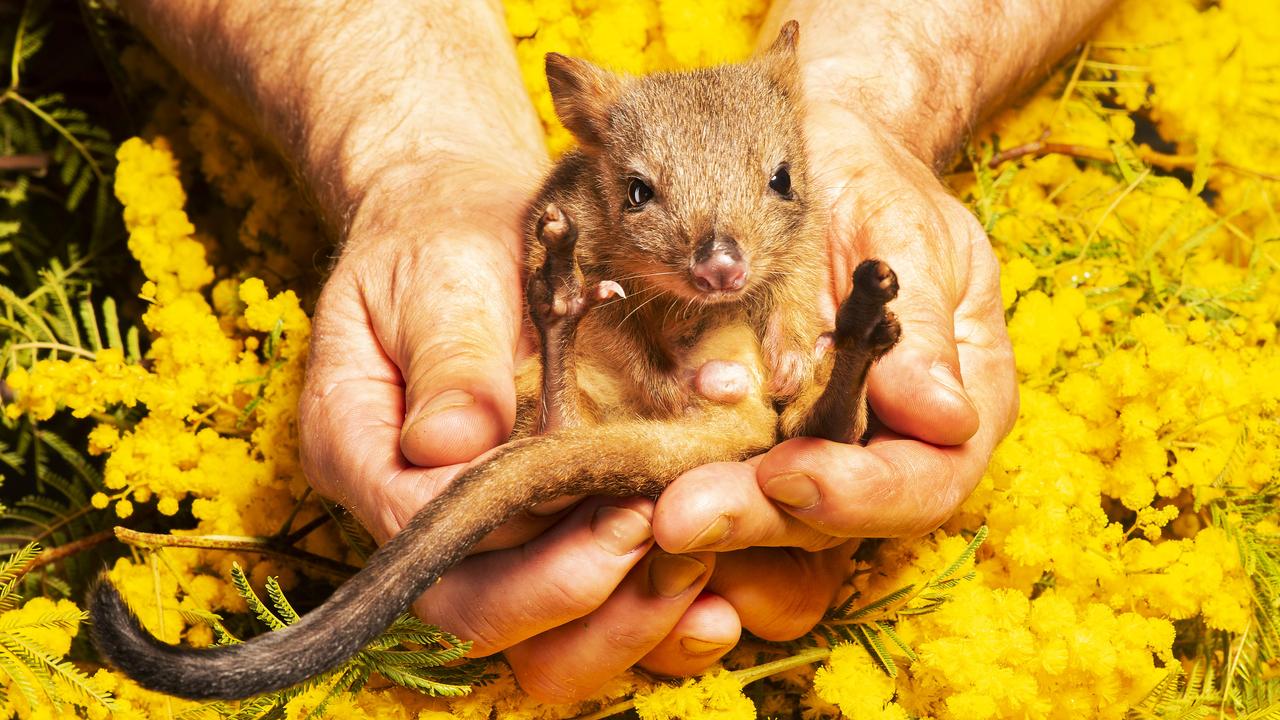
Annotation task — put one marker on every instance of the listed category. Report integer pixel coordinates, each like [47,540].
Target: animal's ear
[780,58]
[583,94]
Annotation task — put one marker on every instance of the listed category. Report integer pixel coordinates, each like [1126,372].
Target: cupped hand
[415,341]
[946,394]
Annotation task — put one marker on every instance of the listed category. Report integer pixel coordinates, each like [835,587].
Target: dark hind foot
[863,324]
[865,331]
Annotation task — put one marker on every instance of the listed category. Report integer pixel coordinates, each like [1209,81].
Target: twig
[35,163]
[293,537]
[266,546]
[745,676]
[61,552]
[1167,161]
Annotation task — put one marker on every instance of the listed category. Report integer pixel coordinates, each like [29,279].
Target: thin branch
[34,163]
[243,543]
[293,514]
[16,61]
[293,537]
[56,347]
[61,552]
[745,676]
[57,126]
[1166,161]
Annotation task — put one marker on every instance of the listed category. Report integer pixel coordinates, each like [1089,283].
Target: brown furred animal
[684,229]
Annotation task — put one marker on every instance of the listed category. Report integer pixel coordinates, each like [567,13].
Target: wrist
[924,109]
[443,200]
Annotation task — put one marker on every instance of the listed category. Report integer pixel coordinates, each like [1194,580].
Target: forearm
[929,71]
[368,101]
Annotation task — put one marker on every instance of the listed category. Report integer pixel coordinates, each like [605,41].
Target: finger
[916,388]
[449,320]
[572,661]
[720,507]
[554,579]
[707,630]
[781,594]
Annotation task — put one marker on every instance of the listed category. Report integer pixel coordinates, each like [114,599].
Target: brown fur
[611,388]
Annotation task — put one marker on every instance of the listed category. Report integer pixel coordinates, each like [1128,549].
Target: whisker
[637,308]
[636,294]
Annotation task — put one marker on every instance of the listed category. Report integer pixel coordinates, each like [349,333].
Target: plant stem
[34,163]
[1041,148]
[266,546]
[57,126]
[746,676]
[61,552]
[806,657]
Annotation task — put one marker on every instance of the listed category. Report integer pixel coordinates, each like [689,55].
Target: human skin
[417,332]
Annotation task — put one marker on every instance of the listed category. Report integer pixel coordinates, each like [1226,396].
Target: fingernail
[695,646]
[794,489]
[946,377]
[713,533]
[619,530]
[447,400]
[672,575]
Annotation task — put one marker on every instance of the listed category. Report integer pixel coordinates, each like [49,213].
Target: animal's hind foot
[863,323]
[555,292]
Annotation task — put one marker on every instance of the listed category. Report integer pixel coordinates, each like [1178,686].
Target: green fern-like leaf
[870,624]
[256,606]
[42,677]
[11,572]
[433,661]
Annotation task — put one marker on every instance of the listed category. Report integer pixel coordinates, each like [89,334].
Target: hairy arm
[927,72]
[361,98]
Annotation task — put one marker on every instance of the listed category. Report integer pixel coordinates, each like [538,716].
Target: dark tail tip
[119,635]
[152,663]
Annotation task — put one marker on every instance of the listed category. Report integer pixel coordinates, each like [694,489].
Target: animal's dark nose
[718,266]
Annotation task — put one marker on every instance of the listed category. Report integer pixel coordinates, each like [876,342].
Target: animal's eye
[638,193]
[781,182]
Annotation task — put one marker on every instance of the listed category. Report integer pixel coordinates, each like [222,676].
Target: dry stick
[61,552]
[34,163]
[745,676]
[1040,148]
[243,543]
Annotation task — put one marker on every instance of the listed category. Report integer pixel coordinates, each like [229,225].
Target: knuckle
[486,631]
[569,593]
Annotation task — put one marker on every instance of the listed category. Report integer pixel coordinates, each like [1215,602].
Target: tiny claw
[607,289]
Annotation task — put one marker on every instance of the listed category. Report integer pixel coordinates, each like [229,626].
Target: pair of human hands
[415,343]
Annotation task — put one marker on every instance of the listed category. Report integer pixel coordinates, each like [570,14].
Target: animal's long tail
[630,458]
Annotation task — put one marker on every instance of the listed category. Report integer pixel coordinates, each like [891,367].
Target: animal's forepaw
[863,321]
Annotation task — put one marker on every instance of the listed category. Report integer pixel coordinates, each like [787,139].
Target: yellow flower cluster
[1142,304]
[633,37]
[41,626]
[714,696]
[219,386]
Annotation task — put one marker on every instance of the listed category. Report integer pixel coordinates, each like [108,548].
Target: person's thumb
[455,344]
[916,388]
